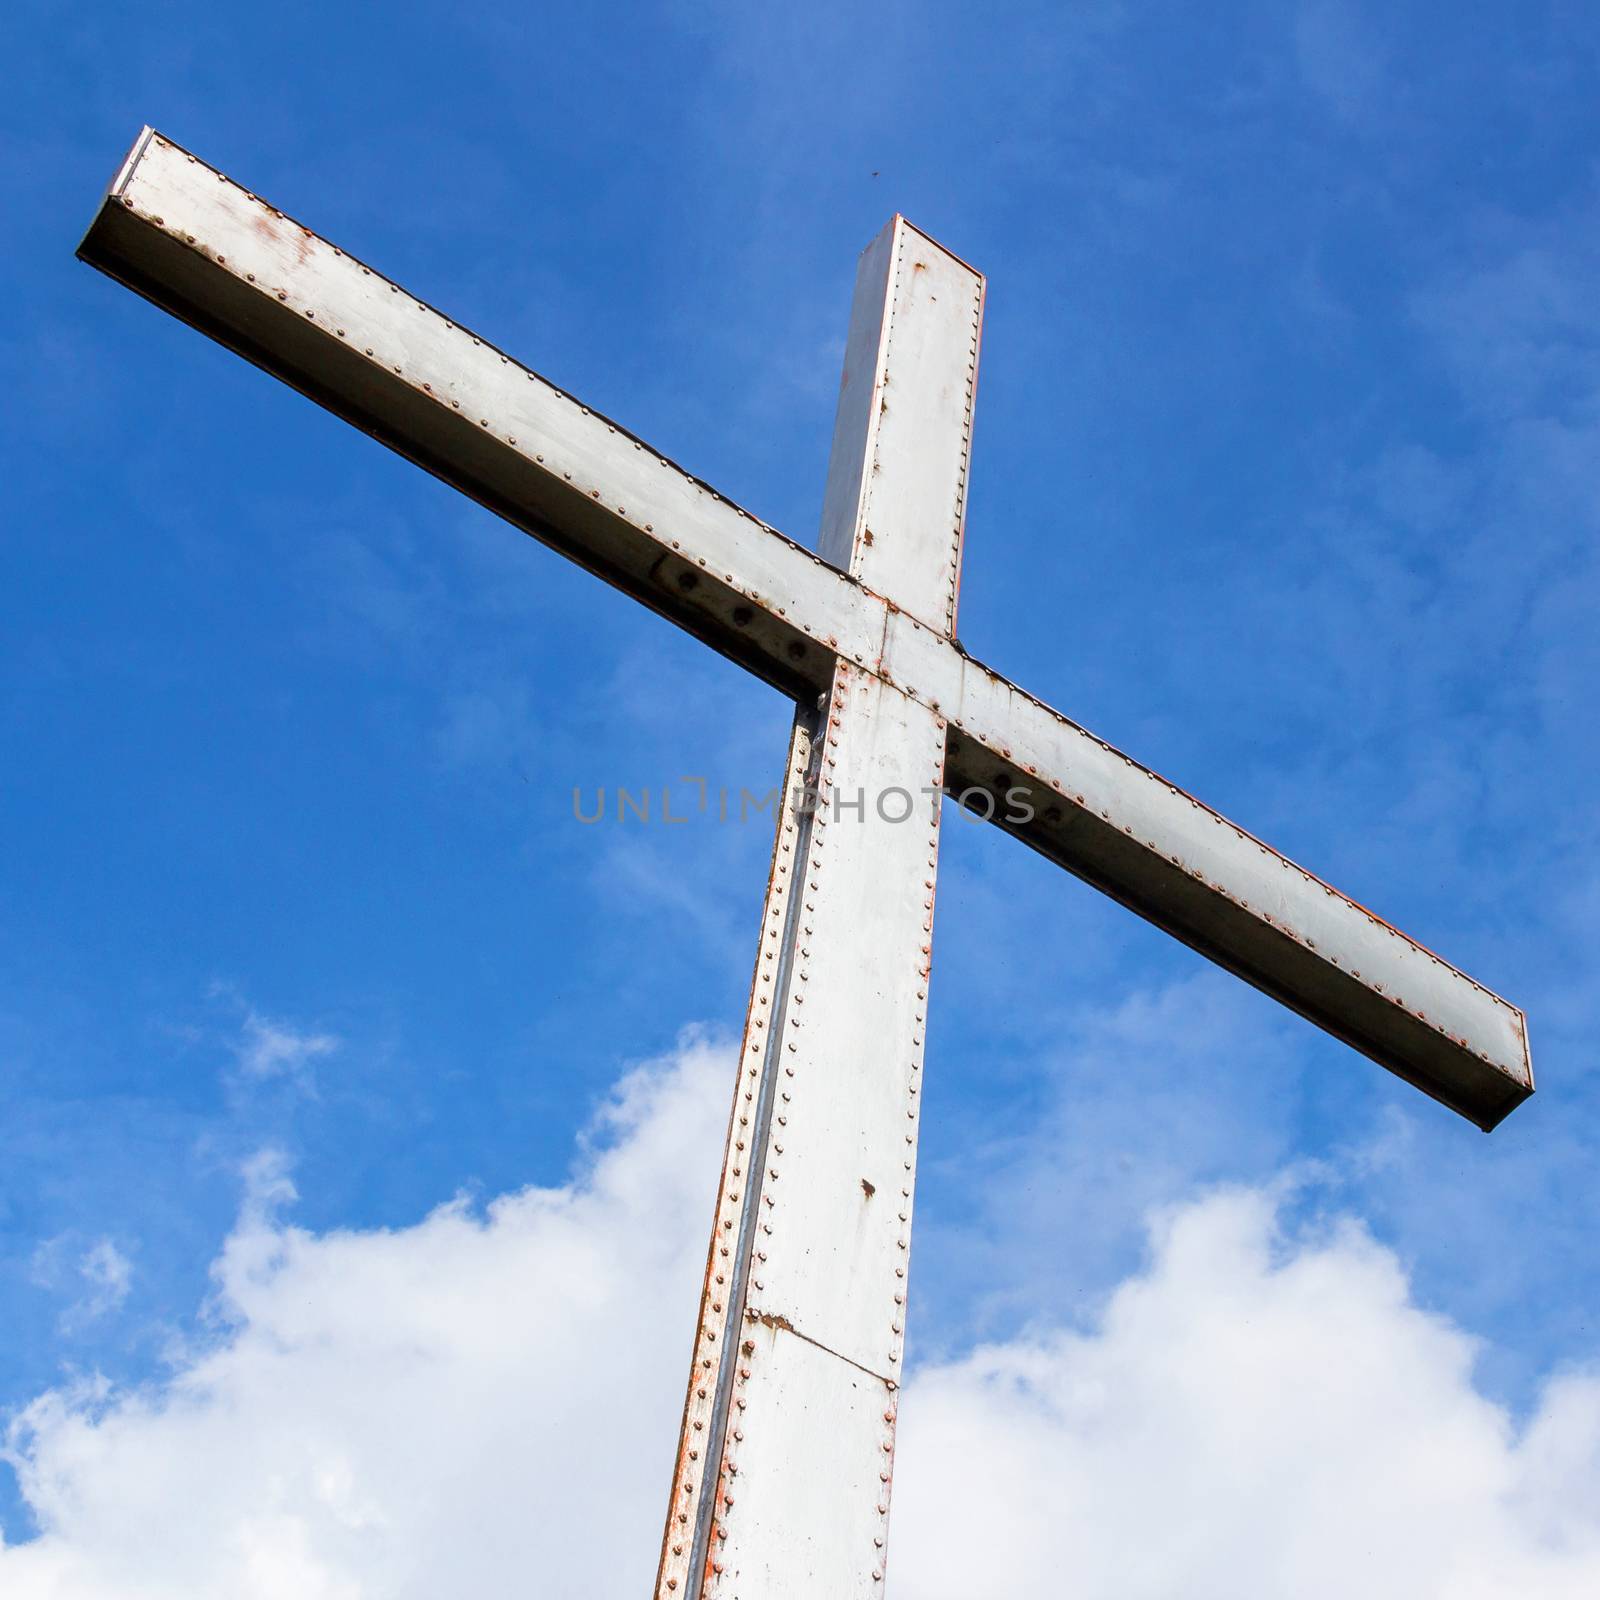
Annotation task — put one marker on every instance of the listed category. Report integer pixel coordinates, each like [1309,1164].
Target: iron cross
[782,1477]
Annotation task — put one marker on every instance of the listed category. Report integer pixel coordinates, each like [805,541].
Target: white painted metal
[806,1436]
[896,498]
[811,1237]
[781,1485]
[805,1490]
[288,298]
[836,1029]
[711,1374]
[1347,968]
[836,1187]
[198,244]
[803,1425]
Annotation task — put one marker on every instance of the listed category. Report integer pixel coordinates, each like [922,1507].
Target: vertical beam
[786,1455]
[807,1461]
[711,1371]
[896,499]
[786,1450]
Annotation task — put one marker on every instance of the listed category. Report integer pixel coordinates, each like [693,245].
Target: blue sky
[1284,481]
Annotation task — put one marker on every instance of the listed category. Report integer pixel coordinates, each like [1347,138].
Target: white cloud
[1253,1415]
[269,1049]
[107,1275]
[98,1278]
[437,1410]
[485,1404]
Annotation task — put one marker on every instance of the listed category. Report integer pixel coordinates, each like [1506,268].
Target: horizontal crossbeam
[225,261]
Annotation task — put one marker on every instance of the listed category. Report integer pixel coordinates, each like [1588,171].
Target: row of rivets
[898,1287]
[716,1303]
[960,518]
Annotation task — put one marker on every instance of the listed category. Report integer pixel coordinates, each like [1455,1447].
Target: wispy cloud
[1340,58]
[94,1279]
[269,1048]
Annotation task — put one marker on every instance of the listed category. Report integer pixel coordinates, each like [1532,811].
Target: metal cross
[781,1485]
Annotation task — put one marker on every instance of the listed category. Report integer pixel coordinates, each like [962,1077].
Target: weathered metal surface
[802,1426]
[896,499]
[734,1225]
[222,259]
[205,249]
[227,262]
[837,1183]
[803,1495]
[1162,853]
